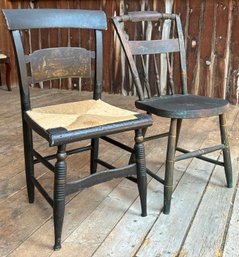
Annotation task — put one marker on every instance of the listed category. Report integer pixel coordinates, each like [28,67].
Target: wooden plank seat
[183,106]
[153,58]
[65,123]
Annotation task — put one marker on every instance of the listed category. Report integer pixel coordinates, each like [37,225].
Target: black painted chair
[156,52]
[66,123]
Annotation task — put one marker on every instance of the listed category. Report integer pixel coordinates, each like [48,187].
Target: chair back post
[27,19]
[98,65]
[21,70]
[151,47]
[182,55]
[129,56]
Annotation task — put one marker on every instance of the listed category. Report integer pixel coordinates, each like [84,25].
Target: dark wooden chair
[152,55]
[4,59]
[66,123]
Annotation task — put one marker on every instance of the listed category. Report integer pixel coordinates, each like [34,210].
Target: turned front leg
[59,195]
[141,170]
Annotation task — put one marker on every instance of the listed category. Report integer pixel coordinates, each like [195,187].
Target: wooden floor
[105,220]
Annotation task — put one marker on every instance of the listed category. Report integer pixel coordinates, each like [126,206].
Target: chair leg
[226,150]
[59,195]
[8,76]
[141,171]
[94,155]
[169,166]
[29,166]
[132,156]
[179,125]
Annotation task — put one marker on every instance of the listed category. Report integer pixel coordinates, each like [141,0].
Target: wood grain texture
[234,64]
[207,50]
[221,38]
[26,230]
[211,35]
[59,64]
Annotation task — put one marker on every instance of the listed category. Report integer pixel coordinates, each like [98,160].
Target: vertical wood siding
[211,37]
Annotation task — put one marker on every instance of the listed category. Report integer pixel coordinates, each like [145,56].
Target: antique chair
[151,56]
[4,59]
[66,123]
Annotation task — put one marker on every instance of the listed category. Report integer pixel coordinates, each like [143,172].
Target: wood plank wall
[211,33]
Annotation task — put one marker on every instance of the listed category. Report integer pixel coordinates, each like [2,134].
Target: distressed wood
[234,62]
[212,60]
[67,62]
[184,106]
[55,63]
[74,166]
[207,57]
[125,231]
[156,46]
[229,248]
[158,241]
[221,39]
[193,50]
[161,241]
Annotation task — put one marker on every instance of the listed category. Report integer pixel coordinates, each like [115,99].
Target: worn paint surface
[211,37]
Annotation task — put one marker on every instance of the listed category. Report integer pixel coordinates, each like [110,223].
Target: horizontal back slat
[62,62]
[147,15]
[40,18]
[154,46]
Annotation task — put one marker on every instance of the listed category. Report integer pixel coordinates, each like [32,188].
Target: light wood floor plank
[105,221]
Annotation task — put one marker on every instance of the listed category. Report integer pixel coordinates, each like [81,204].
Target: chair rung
[190,154]
[153,175]
[116,143]
[156,136]
[100,177]
[43,160]
[42,191]
[79,150]
[68,152]
[105,164]
[133,179]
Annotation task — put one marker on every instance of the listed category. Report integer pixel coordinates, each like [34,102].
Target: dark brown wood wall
[211,36]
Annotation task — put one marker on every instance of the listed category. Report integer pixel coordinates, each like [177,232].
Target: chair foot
[230,183]
[57,245]
[30,190]
[166,211]
[167,199]
[31,200]
[144,214]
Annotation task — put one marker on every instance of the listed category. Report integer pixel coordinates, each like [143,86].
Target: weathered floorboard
[105,220]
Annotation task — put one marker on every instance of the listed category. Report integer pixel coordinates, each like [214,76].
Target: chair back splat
[155,53]
[68,122]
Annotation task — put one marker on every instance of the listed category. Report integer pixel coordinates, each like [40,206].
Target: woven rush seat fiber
[79,115]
